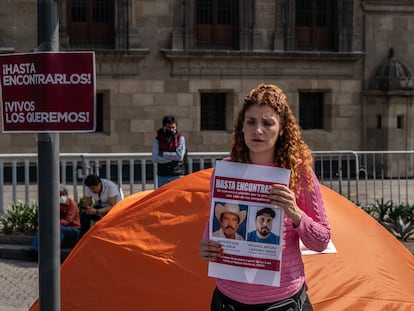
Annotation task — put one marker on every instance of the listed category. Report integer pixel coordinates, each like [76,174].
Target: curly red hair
[291,152]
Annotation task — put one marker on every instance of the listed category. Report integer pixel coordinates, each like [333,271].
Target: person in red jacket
[169,152]
[69,221]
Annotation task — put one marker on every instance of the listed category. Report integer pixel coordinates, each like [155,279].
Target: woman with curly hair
[266,133]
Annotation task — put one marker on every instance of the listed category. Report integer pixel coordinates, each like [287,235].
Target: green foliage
[20,218]
[380,210]
[402,229]
[398,219]
[81,203]
[405,211]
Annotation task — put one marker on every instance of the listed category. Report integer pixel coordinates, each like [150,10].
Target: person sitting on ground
[69,222]
[264,224]
[100,196]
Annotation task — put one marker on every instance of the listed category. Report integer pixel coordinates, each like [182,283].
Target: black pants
[85,220]
[221,302]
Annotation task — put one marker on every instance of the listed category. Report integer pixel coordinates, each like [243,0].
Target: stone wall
[150,80]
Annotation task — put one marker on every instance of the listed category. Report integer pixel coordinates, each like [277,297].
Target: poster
[244,222]
[330,249]
[48,92]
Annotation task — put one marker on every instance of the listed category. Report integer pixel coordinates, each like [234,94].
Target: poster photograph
[246,224]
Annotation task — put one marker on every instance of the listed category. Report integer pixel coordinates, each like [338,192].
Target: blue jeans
[162,180]
[66,232]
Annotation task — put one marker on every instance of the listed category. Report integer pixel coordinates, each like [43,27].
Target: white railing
[131,171]
[366,176]
[361,176]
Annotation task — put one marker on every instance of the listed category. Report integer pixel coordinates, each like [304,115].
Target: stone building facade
[349,81]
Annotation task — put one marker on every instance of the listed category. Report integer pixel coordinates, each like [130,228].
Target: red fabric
[143,255]
[69,214]
[167,143]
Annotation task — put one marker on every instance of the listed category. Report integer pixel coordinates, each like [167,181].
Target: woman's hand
[210,250]
[283,197]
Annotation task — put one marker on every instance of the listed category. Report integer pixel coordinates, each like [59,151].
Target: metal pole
[48,178]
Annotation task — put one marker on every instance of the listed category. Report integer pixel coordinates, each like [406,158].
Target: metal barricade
[360,176]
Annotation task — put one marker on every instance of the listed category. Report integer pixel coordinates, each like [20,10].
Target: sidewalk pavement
[19,283]
[19,277]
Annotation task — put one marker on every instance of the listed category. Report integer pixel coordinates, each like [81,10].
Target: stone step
[22,252]
[14,251]
[18,239]
[17,246]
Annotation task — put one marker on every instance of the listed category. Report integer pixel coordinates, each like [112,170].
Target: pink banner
[48,92]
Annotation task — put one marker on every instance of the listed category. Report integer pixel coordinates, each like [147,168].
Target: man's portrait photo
[230,217]
[263,227]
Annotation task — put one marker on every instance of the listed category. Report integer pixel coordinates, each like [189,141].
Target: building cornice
[388,6]
[261,63]
[119,62]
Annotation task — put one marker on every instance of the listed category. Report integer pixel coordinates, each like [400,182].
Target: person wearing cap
[264,224]
[230,217]
[69,222]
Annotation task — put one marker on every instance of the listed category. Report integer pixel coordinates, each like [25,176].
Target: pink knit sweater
[313,230]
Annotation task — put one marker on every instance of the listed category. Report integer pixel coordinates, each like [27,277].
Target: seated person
[264,224]
[100,196]
[69,222]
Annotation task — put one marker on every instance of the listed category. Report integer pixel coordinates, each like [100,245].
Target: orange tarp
[144,256]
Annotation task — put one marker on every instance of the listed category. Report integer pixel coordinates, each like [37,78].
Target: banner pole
[48,178]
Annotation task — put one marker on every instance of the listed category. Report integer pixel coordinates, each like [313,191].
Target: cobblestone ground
[19,284]
[410,245]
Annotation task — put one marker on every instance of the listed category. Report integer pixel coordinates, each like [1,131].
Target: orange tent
[144,256]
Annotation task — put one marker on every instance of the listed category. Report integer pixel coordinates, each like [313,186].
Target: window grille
[311,110]
[217,24]
[90,24]
[315,24]
[400,121]
[379,121]
[213,111]
[99,112]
